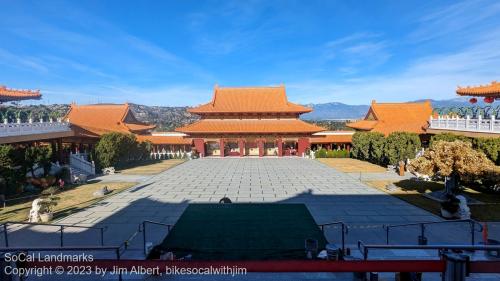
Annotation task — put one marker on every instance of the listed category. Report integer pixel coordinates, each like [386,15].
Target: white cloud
[453,19]
[434,77]
[9,59]
[356,52]
[171,95]
[92,46]
[474,60]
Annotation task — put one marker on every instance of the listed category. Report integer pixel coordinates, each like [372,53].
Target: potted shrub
[46,211]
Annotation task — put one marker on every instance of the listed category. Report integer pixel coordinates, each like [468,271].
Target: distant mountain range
[455,102]
[335,110]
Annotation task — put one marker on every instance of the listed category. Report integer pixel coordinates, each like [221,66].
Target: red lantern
[473,100]
[489,99]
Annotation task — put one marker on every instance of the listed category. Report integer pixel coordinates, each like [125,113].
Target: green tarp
[243,232]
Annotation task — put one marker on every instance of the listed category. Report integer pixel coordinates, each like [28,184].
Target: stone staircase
[79,165]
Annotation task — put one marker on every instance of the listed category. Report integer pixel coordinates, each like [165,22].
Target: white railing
[164,154]
[32,128]
[479,125]
[77,161]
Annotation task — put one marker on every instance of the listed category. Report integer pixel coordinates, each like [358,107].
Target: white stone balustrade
[77,161]
[479,125]
[32,128]
[164,154]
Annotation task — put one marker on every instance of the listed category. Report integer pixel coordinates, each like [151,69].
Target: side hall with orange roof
[332,140]
[90,122]
[395,117]
[250,121]
[98,119]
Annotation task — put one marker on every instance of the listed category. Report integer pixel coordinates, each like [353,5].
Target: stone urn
[46,217]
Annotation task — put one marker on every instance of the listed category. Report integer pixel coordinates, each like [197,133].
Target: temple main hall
[250,121]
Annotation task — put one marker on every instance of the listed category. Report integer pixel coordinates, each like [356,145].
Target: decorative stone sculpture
[108,171]
[101,192]
[83,178]
[80,178]
[422,177]
[36,207]
[464,211]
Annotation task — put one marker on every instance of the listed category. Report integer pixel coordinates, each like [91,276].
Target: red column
[260,143]
[241,145]
[221,147]
[280,147]
[348,147]
[303,145]
[199,144]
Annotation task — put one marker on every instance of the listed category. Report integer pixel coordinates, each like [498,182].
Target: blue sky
[174,52]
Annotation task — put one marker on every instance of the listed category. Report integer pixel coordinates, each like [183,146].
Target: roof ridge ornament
[488,90]
[216,88]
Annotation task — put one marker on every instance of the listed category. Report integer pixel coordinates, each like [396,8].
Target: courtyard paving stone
[329,194]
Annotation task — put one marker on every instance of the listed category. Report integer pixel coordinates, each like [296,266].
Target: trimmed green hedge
[401,146]
[368,146]
[323,153]
[115,149]
[16,162]
[375,148]
[489,146]
[449,137]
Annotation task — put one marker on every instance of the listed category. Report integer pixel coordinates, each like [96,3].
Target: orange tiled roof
[7,94]
[250,126]
[491,90]
[104,118]
[337,138]
[394,117]
[164,139]
[139,127]
[250,99]
[365,125]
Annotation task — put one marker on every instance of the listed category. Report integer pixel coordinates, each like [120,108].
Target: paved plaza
[330,196]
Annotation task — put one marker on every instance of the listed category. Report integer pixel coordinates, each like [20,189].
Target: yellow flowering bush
[444,158]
